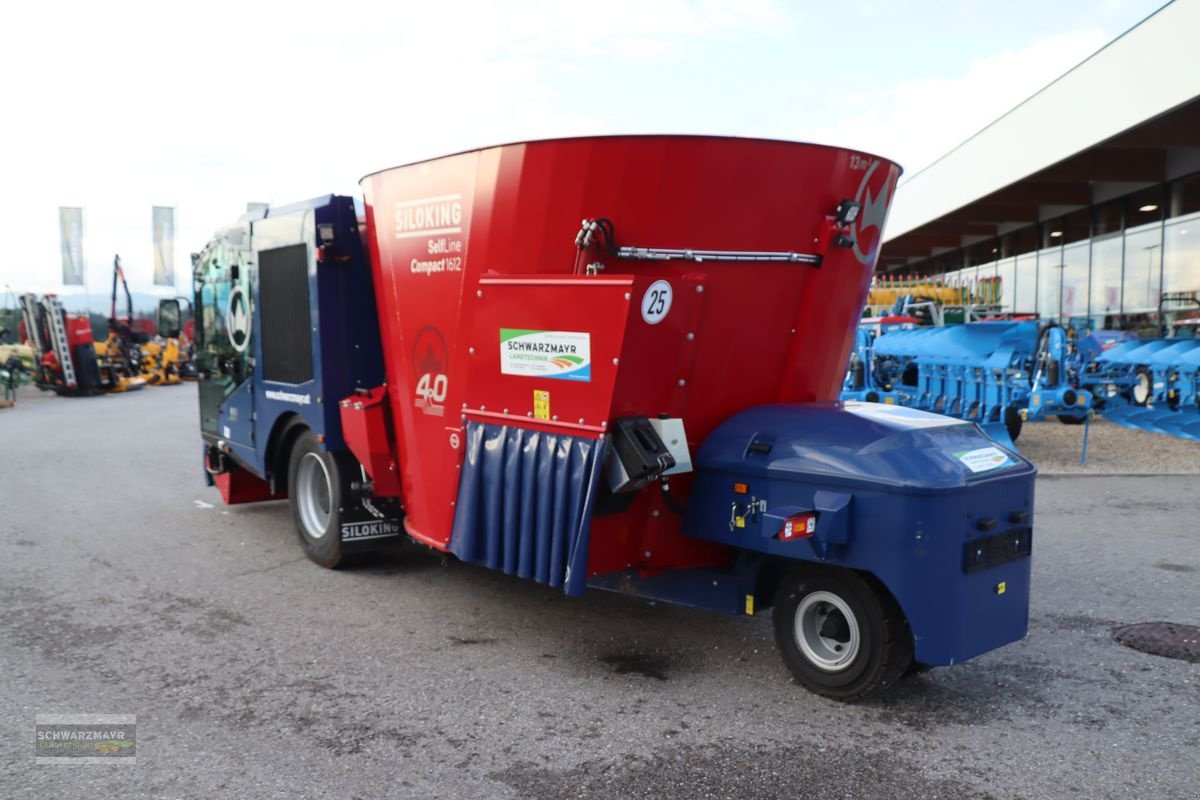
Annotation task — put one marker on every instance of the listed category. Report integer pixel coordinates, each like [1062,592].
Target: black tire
[316,492]
[1067,419]
[818,611]
[1013,422]
[916,668]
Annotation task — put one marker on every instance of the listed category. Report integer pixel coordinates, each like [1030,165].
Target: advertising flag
[164,246]
[70,226]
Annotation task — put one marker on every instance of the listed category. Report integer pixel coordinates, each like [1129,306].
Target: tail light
[800,526]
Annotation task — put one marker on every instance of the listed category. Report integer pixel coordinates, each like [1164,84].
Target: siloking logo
[377,529]
[875,192]
[429,216]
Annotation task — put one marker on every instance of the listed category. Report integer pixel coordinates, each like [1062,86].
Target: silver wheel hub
[314,495]
[827,631]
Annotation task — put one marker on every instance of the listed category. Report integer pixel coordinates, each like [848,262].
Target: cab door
[224,344]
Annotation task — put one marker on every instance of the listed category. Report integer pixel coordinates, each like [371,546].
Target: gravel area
[1112,450]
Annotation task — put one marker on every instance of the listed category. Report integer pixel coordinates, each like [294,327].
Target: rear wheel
[840,636]
[315,489]
[1069,419]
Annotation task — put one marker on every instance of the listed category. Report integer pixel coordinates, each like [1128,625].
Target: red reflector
[741,488]
[800,526]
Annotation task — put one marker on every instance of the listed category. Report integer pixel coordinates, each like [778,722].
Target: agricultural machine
[158,360]
[16,359]
[643,403]
[67,358]
[16,368]
[70,362]
[1154,384]
[997,374]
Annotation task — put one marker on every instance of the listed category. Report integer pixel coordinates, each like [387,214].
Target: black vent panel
[283,308]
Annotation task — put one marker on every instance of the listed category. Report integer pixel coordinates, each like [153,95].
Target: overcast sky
[119,106]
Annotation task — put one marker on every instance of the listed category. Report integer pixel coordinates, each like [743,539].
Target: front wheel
[840,636]
[315,489]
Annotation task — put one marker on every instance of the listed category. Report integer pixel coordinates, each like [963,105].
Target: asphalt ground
[125,588]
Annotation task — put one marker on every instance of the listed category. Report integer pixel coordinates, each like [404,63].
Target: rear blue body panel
[897,496]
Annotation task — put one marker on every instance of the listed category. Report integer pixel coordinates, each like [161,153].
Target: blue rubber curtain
[525,503]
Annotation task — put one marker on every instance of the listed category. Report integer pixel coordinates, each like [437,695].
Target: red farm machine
[644,402]
[68,360]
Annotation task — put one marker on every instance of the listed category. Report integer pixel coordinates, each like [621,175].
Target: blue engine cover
[929,505]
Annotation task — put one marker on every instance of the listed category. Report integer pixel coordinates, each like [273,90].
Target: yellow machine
[22,352]
[120,364]
[16,367]
[935,300]
[152,360]
[162,362]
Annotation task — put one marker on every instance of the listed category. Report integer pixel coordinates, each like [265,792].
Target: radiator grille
[284,314]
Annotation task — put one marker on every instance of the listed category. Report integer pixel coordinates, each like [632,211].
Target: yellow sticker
[739,522]
[889,401]
[1001,587]
[750,604]
[541,404]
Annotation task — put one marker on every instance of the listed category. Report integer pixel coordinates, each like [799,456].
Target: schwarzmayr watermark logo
[85,739]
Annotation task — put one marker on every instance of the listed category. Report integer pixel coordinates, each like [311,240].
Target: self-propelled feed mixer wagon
[643,401]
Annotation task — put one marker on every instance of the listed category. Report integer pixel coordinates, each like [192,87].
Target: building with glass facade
[1084,201]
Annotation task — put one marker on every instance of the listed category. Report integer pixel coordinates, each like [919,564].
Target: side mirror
[168,319]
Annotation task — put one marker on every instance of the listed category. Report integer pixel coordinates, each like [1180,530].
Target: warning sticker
[541,404]
[562,355]
[983,459]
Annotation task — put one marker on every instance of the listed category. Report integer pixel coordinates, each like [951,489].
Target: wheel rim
[1141,389]
[314,495]
[827,631]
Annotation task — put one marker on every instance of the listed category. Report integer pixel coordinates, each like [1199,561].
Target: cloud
[206,106]
[915,122]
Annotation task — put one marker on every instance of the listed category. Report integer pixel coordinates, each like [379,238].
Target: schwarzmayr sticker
[983,459]
[562,355]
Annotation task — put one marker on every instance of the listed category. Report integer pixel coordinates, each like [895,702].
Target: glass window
[1049,282]
[1074,305]
[966,282]
[954,281]
[985,283]
[1143,272]
[1006,284]
[1181,255]
[1106,282]
[1025,295]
